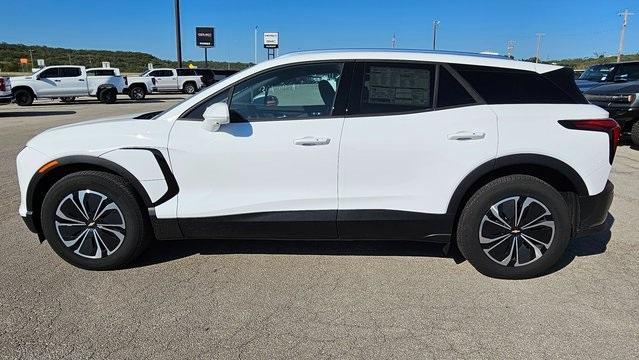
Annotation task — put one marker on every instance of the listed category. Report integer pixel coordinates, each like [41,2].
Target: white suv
[505,159]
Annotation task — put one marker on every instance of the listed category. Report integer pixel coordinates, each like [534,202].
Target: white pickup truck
[5,91]
[171,80]
[65,82]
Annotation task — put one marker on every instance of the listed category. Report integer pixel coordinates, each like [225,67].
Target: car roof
[452,57]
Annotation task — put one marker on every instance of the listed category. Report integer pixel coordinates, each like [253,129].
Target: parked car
[5,91]
[349,145]
[223,74]
[172,80]
[65,82]
[207,75]
[138,87]
[597,75]
[622,103]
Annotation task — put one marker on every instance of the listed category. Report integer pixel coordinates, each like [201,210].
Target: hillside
[127,61]
[582,63]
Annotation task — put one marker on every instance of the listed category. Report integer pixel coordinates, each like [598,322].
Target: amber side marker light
[48,166]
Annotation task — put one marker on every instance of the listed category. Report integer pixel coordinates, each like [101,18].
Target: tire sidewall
[137,93]
[108,96]
[25,96]
[128,206]
[479,205]
[189,88]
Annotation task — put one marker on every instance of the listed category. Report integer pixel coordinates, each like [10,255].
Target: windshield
[598,73]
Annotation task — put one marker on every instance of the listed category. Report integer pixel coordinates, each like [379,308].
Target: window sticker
[399,86]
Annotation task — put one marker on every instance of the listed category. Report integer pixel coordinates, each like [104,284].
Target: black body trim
[393,225]
[171,183]
[592,211]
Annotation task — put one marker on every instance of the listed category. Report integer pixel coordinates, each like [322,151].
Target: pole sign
[205,37]
[271,40]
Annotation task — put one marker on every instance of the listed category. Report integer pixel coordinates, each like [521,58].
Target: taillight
[608,126]
[3,87]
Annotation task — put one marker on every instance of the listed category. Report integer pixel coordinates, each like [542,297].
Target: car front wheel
[92,220]
[514,227]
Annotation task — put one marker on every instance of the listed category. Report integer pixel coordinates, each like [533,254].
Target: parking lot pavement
[265,300]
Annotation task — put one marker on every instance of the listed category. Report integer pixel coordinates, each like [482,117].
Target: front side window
[161,73]
[294,92]
[395,88]
[50,73]
[627,72]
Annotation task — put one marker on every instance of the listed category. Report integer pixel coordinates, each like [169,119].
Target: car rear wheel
[108,96]
[23,97]
[514,227]
[92,220]
[137,93]
[189,88]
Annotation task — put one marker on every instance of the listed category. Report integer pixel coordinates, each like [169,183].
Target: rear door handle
[466,135]
[312,141]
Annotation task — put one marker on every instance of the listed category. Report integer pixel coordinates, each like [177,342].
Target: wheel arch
[551,170]
[41,183]
[23,87]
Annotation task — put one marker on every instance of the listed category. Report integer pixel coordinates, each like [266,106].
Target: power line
[539,37]
[625,15]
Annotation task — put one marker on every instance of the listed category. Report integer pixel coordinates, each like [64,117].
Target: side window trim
[473,93]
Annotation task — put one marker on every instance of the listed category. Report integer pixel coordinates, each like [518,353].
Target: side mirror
[37,77]
[215,116]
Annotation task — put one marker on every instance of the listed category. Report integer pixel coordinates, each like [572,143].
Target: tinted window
[395,88]
[196,113]
[511,86]
[627,72]
[161,73]
[450,92]
[70,72]
[50,73]
[597,73]
[184,72]
[294,92]
[204,72]
[100,72]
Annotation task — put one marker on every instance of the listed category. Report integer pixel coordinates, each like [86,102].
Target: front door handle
[57,80]
[311,141]
[466,135]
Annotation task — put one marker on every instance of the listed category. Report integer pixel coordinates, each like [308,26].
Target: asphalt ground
[307,300]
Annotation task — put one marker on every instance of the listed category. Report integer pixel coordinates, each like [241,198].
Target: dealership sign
[205,36]
[271,40]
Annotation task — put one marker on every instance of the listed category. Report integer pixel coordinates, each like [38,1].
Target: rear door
[405,148]
[166,80]
[72,81]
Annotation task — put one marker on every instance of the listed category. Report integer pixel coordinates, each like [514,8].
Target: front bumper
[592,211]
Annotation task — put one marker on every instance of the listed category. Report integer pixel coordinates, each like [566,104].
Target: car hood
[615,88]
[96,137]
[585,85]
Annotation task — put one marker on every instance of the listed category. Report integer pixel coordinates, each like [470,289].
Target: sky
[572,28]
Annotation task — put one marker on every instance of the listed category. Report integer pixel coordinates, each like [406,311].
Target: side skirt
[311,225]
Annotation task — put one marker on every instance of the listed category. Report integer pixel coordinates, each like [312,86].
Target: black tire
[634,133]
[137,93]
[189,88]
[23,97]
[108,96]
[134,234]
[477,221]
[67,99]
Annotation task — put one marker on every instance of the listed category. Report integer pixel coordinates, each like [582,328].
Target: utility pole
[31,54]
[69,58]
[510,46]
[537,56]
[435,27]
[625,15]
[394,41]
[178,36]
[255,46]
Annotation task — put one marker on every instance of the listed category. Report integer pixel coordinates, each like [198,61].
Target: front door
[271,172]
[165,80]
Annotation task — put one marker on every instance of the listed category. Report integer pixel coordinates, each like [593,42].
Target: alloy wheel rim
[516,231]
[90,224]
[137,93]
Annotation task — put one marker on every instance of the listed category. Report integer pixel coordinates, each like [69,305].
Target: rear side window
[450,92]
[185,72]
[627,72]
[70,72]
[511,86]
[390,88]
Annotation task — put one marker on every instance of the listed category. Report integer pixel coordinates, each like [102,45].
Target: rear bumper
[592,211]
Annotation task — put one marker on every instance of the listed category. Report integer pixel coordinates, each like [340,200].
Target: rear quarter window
[511,86]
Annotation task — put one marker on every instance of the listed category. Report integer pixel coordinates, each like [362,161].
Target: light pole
[255,46]
[435,27]
[625,15]
[178,36]
[31,54]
